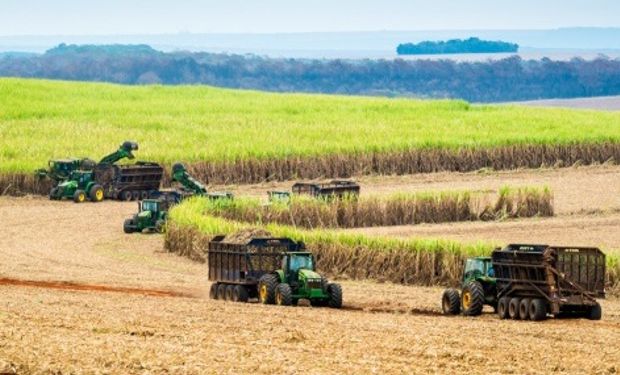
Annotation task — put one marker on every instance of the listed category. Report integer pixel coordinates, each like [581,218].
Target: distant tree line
[502,80]
[471,45]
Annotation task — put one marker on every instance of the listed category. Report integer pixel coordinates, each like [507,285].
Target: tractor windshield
[299,261]
[484,266]
[149,206]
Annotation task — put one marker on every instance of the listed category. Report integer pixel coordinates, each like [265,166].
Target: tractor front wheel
[160,226]
[79,196]
[267,289]
[128,226]
[96,193]
[451,302]
[335,296]
[284,295]
[472,299]
[54,194]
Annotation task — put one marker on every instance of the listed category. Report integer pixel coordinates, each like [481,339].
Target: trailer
[525,281]
[535,280]
[129,182]
[274,270]
[332,189]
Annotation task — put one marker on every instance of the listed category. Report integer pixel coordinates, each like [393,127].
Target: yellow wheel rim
[81,198]
[466,300]
[263,293]
[99,195]
[278,299]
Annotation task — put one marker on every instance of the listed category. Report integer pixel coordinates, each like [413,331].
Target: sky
[114,17]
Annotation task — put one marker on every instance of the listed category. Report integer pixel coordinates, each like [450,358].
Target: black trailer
[129,182]
[239,266]
[536,280]
[332,189]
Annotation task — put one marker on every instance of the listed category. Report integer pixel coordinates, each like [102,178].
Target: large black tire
[284,295]
[128,226]
[502,307]
[95,194]
[230,289]
[451,302]
[160,226]
[267,289]
[240,294]
[79,196]
[538,309]
[135,195]
[513,308]
[335,295]
[53,194]
[213,291]
[221,292]
[595,313]
[524,308]
[126,195]
[472,299]
[144,195]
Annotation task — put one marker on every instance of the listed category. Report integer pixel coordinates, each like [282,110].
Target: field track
[61,243]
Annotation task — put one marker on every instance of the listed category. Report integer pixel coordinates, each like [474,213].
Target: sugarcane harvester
[191,186]
[106,179]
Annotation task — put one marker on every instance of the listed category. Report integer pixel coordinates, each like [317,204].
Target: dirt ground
[152,315]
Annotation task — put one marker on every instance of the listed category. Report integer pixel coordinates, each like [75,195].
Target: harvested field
[578,230]
[50,330]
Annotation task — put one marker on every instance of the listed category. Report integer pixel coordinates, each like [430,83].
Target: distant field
[606,103]
[46,119]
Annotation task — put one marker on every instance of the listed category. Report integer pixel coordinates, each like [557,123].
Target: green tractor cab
[60,170]
[478,288]
[80,186]
[298,279]
[279,196]
[152,215]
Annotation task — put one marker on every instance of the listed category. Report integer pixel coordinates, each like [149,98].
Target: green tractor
[298,279]
[60,170]
[152,215]
[478,288]
[80,186]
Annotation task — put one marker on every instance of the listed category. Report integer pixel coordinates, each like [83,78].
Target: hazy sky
[80,17]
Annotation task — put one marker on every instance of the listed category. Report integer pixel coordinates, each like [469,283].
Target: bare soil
[106,321]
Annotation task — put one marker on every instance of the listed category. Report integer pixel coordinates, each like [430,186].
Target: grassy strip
[398,209]
[249,130]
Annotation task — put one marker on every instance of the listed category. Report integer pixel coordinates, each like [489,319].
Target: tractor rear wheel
[524,309]
[79,196]
[502,307]
[335,295]
[213,291]
[451,302]
[54,194]
[284,295]
[538,309]
[96,193]
[595,313]
[472,299]
[128,226]
[240,294]
[513,308]
[221,292]
[267,289]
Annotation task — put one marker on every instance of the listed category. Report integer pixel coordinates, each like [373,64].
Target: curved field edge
[346,255]
[248,131]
